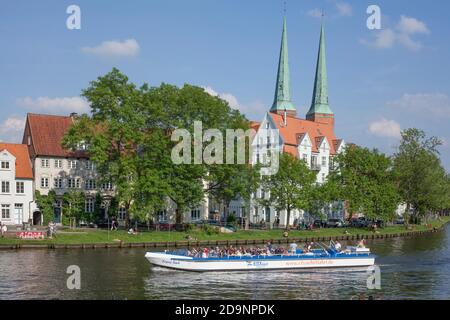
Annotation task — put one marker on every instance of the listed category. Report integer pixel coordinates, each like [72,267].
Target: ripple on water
[411,268]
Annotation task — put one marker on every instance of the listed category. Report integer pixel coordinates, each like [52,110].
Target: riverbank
[121,239]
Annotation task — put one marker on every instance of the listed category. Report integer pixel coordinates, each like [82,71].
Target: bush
[189,227]
[209,230]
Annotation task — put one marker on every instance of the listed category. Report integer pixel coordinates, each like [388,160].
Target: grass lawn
[103,236]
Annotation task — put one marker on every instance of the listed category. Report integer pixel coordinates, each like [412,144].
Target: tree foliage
[366,181]
[291,188]
[46,204]
[129,138]
[422,181]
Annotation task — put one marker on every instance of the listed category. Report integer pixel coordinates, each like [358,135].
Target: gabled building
[311,139]
[55,168]
[61,170]
[16,178]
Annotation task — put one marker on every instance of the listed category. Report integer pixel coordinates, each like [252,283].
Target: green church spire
[320,96]
[282,99]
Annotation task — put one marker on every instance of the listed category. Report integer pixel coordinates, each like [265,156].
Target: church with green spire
[311,139]
[320,109]
[282,101]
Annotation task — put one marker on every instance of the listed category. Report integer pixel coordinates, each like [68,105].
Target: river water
[411,268]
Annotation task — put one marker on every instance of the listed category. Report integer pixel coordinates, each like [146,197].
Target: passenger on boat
[362,243]
[293,248]
[338,246]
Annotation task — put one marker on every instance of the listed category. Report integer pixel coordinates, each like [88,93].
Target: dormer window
[5,165]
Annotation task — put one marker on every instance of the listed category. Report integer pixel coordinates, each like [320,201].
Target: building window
[78,183]
[45,163]
[73,164]
[89,165]
[195,214]
[107,186]
[44,182]
[58,183]
[324,161]
[122,212]
[58,164]
[162,215]
[5,164]
[305,157]
[6,214]
[89,205]
[73,183]
[5,187]
[323,177]
[20,187]
[90,184]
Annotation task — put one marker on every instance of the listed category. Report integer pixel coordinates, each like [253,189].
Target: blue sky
[380,81]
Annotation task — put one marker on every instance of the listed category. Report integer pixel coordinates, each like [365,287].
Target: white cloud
[385,128]
[63,105]
[11,129]
[315,13]
[385,38]
[408,25]
[344,9]
[127,48]
[426,104]
[253,110]
[401,35]
[228,97]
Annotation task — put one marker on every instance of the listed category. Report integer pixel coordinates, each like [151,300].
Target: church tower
[320,110]
[282,101]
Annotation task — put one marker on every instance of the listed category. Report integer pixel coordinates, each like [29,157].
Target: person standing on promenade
[3,229]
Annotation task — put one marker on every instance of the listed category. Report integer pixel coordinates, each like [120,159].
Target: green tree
[117,126]
[128,135]
[364,179]
[46,204]
[291,188]
[74,207]
[419,173]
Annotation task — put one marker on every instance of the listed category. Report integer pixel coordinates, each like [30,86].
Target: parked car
[335,223]
[361,222]
[319,223]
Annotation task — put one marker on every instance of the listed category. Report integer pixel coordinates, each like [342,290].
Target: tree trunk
[178,216]
[406,214]
[288,218]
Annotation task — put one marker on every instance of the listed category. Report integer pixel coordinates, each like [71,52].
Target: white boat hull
[242,264]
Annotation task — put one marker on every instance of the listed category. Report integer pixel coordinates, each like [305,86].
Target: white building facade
[16,196]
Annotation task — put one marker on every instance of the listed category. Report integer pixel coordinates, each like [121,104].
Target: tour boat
[318,258]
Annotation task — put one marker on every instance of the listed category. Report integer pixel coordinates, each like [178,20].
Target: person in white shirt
[3,229]
[293,247]
[338,246]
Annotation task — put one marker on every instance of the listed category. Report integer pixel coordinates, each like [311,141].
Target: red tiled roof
[295,127]
[47,132]
[291,150]
[23,163]
[255,125]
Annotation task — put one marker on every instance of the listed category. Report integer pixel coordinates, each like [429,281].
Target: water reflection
[411,268]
